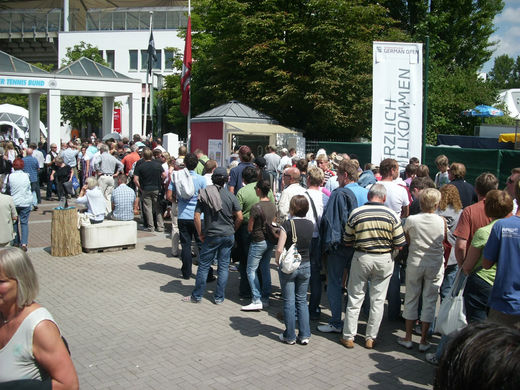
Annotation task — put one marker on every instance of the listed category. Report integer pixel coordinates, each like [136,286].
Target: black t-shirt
[304,229]
[269,209]
[61,174]
[149,173]
[5,166]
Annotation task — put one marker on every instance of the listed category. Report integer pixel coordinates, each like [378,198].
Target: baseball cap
[219,172]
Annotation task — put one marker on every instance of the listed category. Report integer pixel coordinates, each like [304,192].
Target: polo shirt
[503,248]
[360,192]
[69,157]
[220,224]
[235,176]
[472,218]
[31,166]
[467,193]
[374,228]
[186,207]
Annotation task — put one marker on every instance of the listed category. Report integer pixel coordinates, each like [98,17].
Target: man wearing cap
[70,157]
[222,217]
[235,175]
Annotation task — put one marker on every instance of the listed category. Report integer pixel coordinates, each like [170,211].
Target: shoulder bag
[271,230]
[290,259]
[7,188]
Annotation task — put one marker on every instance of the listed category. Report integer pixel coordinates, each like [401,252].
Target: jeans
[476,297]
[243,239]
[336,264]
[186,232]
[449,277]
[260,254]
[394,293]
[23,220]
[376,268]
[219,247]
[315,282]
[35,189]
[294,294]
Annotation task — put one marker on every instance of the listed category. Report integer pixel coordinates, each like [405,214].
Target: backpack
[184,187]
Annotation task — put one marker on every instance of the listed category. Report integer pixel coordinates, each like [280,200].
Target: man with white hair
[374,230]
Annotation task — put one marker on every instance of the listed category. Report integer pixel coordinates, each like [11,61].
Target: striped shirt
[374,228]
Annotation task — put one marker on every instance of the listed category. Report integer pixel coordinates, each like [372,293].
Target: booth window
[168,59]
[133,59]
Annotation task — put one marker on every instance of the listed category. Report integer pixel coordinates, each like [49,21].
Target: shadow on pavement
[152,248]
[391,372]
[160,268]
[252,328]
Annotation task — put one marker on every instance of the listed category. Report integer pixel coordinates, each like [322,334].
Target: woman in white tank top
[31,348]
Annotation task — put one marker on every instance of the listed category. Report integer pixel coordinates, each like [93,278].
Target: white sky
[507,34]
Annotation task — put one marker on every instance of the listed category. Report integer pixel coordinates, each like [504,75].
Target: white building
[42,31]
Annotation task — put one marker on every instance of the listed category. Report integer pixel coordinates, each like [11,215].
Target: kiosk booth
[222,130]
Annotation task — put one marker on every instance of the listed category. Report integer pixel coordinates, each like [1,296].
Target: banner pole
[425,98]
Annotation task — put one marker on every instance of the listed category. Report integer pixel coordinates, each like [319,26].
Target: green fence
[497,161]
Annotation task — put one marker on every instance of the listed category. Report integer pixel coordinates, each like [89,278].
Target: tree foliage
[506,72]
[82,110]
[306,63]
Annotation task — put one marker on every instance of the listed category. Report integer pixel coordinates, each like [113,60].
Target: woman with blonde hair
[31,347]
[425,233]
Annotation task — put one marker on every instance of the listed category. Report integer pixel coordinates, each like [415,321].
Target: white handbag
[290,259]
[452,313]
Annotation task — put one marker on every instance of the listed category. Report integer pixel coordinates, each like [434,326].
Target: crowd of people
[362,231]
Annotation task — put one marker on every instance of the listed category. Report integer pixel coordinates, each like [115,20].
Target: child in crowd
[441,177]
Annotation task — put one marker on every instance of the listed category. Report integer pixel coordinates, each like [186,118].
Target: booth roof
[232,111]
[259,128]
[10,64]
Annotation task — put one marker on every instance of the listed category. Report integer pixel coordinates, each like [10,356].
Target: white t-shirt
[317,198]
[426,232]
[396,196]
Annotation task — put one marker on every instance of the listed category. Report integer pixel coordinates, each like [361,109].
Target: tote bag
[290,259]
[452,313]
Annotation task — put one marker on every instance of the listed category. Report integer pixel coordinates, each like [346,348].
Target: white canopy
[18,118]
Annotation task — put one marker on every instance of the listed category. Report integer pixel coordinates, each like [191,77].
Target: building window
[156,64]
[111,59]
[168,59]
[133,59]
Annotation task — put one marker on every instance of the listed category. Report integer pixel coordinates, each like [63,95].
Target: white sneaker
[431,358]
[252,307]
[328,328]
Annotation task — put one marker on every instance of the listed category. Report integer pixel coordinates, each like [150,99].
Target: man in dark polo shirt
[148,177]
[467,193]
[374,230]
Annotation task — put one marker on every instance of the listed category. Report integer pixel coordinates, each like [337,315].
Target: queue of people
[359,230]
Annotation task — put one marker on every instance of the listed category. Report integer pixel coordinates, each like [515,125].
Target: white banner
[397,101]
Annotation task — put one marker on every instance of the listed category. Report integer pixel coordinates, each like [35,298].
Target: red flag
[186,72]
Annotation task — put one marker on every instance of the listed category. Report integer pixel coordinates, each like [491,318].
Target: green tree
[505,72]
[459,31]
[307,63]
[82,110]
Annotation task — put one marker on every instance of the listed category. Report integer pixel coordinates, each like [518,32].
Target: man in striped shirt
[374,230]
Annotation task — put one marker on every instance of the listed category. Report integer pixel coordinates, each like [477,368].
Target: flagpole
[146,86]
[151,80]
[188,142]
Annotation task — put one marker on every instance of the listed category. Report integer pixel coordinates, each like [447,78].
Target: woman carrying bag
[294,285]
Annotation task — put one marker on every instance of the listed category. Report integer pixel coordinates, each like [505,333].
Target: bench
[108,236]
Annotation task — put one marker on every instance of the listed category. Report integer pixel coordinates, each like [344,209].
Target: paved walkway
[127,328]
